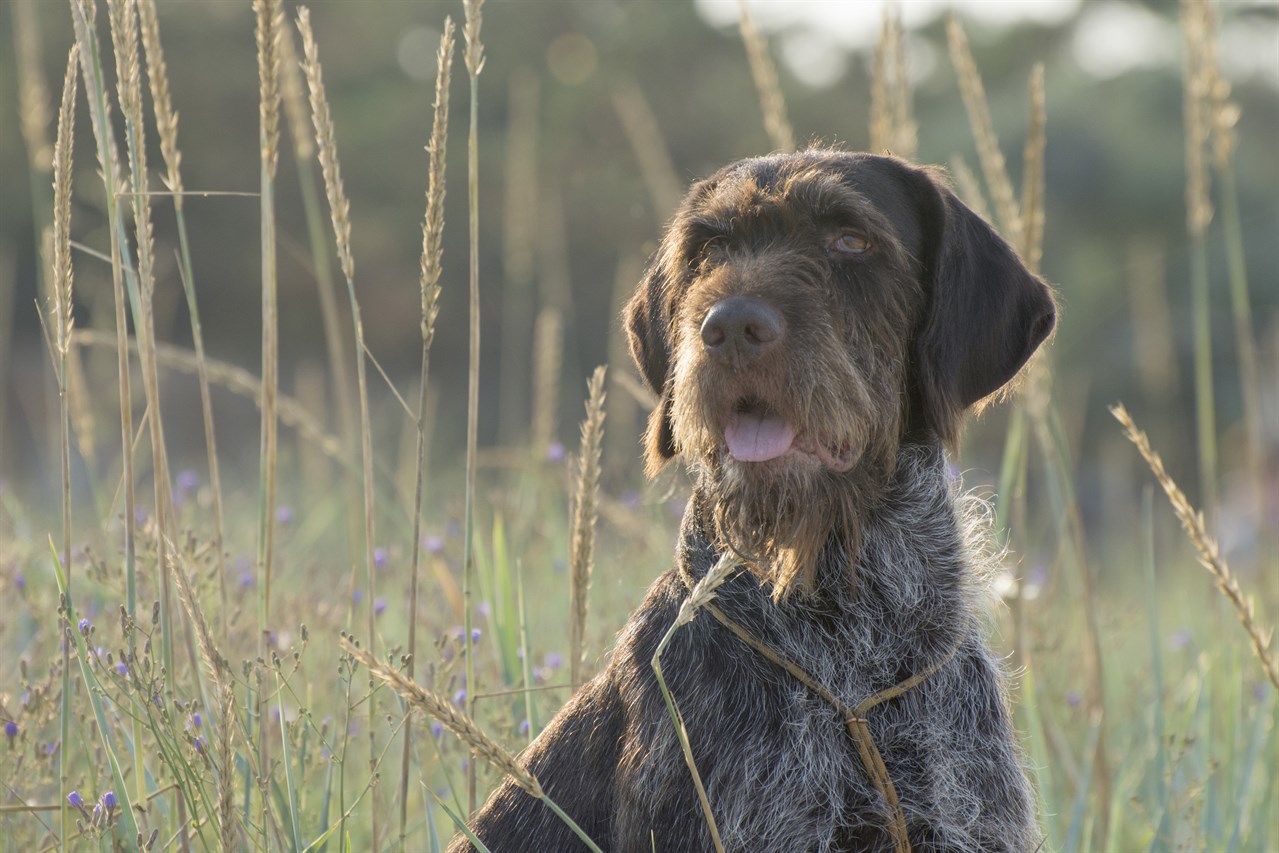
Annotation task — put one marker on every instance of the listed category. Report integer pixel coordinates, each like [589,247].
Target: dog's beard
[781,514]
[783,523]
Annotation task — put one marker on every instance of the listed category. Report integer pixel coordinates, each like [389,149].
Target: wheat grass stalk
[1032,188]
[474,57]
[269,22]
[62,318]
[83,19]
[764,72]
[1192,521]
[123,18]
[294,97]
[63,274]
[339,210]
[431,266]
[892,124]
[166,121]
[1196,17]
[464,727]
[1225,116]
[992,159]
[585,513]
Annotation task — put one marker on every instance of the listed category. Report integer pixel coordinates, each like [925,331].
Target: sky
[815,38]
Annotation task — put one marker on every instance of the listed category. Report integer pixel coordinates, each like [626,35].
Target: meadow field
[299,556]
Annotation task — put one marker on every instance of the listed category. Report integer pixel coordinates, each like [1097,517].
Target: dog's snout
[742,328]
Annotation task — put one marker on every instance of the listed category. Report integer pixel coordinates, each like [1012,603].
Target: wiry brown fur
[864,570]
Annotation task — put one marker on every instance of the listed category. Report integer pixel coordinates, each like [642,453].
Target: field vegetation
[294,578]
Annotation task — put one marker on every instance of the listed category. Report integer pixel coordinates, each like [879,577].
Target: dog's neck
[911,530]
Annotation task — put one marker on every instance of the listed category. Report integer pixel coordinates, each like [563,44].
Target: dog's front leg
[575,760]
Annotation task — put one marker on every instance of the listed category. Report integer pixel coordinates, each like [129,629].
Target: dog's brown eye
[851,243]
[709,250]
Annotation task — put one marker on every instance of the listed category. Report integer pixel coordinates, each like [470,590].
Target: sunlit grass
[230,716]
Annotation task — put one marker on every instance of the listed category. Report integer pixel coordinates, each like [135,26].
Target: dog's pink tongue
[758,438]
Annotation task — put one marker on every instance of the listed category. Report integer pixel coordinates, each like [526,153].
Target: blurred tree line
[568,215]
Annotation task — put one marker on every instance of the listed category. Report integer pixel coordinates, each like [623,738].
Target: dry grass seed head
[462,726]
[778,126]
[62,166]
[339,206]
[270,24]
[474,47]
[1209,552]
[585,512]
[166,119]
[433,225]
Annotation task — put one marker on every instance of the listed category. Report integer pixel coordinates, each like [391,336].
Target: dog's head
[804,315]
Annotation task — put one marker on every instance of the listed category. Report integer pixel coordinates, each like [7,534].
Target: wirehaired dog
[816,325]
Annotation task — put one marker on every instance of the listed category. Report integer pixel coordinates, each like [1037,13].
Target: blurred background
[593,117]
[569,212]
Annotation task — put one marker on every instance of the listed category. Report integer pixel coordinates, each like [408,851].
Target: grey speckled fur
[780,771]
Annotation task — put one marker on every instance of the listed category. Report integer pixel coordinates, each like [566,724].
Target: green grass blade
[1079,812]
[91,687]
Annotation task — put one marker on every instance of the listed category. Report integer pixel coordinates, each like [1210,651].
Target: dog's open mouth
[755,433]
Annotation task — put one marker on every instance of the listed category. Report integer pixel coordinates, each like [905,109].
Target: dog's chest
[779,767]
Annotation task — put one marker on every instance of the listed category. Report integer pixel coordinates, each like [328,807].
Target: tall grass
[432,236]
[206,723]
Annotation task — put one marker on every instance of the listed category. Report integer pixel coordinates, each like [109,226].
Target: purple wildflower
[76,800]
[379,606]
[10,729]
[437,728]
[108,800]
[197,720]
[284,514]
[198,743]
[555,453]
[434,544]
[85,626]
[1180,640]
[357,596]
[246,580]
[484,609]
[1073,699]
[554,660]
[379,558]
[188,480]
[523,727]
[475,635]
[20,581]
[121,668]
[459,697]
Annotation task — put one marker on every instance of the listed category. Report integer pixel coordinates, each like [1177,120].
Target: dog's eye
[709,250]
[851,243]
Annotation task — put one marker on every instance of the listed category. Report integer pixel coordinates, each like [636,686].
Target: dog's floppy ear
[648,329]
[988,314]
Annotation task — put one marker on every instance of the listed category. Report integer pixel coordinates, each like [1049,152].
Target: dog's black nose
[742,328]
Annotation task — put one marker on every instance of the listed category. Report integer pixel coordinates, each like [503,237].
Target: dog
[816,326]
